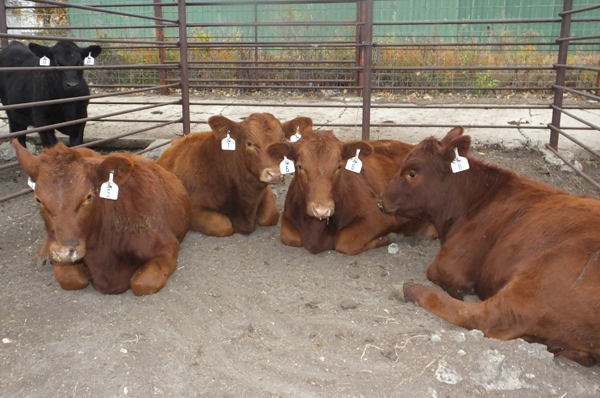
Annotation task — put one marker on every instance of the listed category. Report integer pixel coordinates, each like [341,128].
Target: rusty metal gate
[347,48]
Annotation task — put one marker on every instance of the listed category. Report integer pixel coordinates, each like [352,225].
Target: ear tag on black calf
[44,61]
[459,163]
[354,164]
[109,190]
[89,60]
[31,183]
[228,143]
[296,136]
[286,166]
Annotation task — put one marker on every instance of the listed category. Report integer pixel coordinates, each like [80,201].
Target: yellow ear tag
[109,190]
[354,164]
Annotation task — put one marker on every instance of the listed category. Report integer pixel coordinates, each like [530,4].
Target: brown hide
[530,251]
[117,244]
[229,190]
[328,207]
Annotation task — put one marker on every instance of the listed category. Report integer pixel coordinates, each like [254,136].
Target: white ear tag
[354,164]
[109,190]
[228,143]
[44,61]
[459,163]
[296,136]
[286,166]
[89,60]
[31,183]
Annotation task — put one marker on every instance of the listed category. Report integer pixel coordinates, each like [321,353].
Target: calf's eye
[339,166]
[37,200]
[298,166]
[412,174]
[89,197]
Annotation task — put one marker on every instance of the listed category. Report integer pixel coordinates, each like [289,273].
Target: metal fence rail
[558,110]
[316,45]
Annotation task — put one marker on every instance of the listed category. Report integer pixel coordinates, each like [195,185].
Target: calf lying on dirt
[228,181]
[530,251]
[330,207]
[114,220]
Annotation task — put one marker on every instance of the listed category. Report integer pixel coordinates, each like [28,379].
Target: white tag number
[44,61]
[228,143]
[31,183]
[109,190]
[286,166]
[354,164]
[89,60]
[459,163]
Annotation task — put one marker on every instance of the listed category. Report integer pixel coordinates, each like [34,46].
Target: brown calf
[329,207]
[132,241]
[228,189]
[530,251]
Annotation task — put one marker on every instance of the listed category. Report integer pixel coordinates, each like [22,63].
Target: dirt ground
[246,316]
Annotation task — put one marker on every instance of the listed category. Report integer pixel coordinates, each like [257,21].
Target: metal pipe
[76,121]
[183,65]
[160,36]
[96,9]
[575,140]
[581,173]
[3,25]
[368,65]
[75,99]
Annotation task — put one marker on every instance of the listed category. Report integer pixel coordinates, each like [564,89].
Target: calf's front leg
[268,213]
[289,234]
[356,239]
[71,276]
[152,276]
[211,223]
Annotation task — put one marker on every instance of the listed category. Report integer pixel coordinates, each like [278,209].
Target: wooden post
[160,36]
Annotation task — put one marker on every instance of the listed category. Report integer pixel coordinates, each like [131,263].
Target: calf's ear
[28,162]
[301,124]
[452,134]
[221,126]
[349,150]
[278,150]
[40,51]
[462,143]
[118,164]
[94,50]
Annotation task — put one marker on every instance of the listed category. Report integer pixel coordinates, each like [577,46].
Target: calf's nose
[322,211]
[72,84]
[271,176]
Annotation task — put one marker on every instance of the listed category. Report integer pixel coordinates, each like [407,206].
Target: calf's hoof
[410,290]
[71,276]
[147,280]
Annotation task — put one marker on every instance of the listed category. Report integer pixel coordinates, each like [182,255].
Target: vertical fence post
[359,54]
[160,36]
[368,66]
[3,24]
[255,74]
[563,48]
[183,67]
